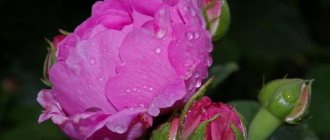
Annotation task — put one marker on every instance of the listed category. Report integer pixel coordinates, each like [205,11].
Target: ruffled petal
[51,106]
[80,79]
[129,123]
[111,14]
[172,93]
[145,71]
[189,55]
[144,6]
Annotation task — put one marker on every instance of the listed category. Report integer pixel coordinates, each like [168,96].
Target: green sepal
[223,23]
[199,132]
[49,61]
[63,32]
[238,135]
[161,133]
[243,124]
[199,94]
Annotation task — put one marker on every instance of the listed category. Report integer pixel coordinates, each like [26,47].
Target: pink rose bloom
[123,66]
[218,129]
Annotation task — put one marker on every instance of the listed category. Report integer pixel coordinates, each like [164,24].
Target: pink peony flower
[127,63]
[218,129]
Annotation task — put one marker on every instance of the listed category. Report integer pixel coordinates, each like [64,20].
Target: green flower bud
[217,17]
[287,99]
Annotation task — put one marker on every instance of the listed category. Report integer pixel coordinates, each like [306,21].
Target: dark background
[268,39]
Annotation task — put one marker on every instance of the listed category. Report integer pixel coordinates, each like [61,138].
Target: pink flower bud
[57,39]
[226,120]
[126,64]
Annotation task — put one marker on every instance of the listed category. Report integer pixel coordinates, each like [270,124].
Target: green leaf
[161,133]
[199,132]
[196,96]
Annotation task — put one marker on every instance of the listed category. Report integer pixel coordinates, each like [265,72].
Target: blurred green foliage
[268,39]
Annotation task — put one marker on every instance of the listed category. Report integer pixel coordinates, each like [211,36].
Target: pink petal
[111,14]
[129,123]
[80,79]
[189,55]
[172,93]
[51,106]
[144,6]
[145,73]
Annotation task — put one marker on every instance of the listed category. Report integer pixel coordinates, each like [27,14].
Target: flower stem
[263,125]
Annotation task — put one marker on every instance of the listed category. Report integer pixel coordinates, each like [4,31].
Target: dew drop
[198,84]
[185,8]
[92,61]
[189,35]
[157,50]
[196,35]
[119,129]
[203,110]
[196,75]
[128,90]
[101,79]
[161,33]
[151,89]
[161,12]
[192,12]
[188,74]
[210,48]
[209,62]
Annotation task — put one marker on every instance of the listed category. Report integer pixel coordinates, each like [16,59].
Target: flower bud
[50,57]
[217,17]
[287,99]
[212,121]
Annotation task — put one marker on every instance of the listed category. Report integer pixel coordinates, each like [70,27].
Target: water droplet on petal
[185,8]
[209,62]
[189,35]
[210,48]
[198,84]
[161,33]
[92,61]
[157,50]
[196,35]
[119,129]
[196,75]
[128,90]
[192,12]
[161,12]
[150,88]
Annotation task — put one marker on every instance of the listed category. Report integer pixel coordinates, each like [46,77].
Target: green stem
[263,125]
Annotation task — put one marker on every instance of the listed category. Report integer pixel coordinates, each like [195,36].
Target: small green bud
[217,17]
[287,99]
